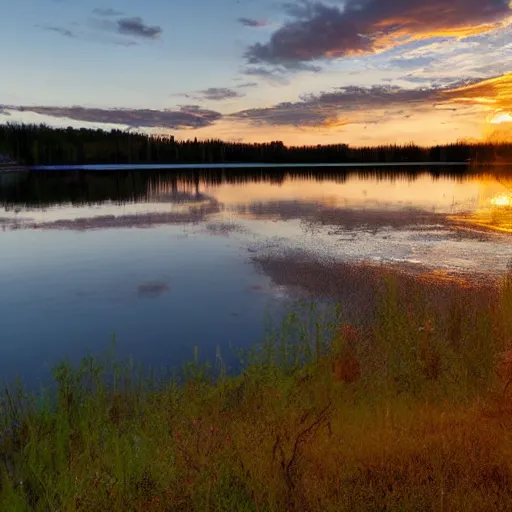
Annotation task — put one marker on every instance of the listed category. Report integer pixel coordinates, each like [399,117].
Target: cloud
[325,109]
[476,57]
[425,81]
[365,104]
[489,98]
[134,27]
[252,23]
[141,221]
[355,27]
[213,94]
[412,62]
[60,30]
[493,95]
[247,84]
[220,93]
[127,43]
[137,28]
[278,74]
[265,72]
[106,12]
[185,117]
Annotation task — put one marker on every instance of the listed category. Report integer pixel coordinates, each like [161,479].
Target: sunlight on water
[501,200]
[139,253]
[494,211]
[359,191]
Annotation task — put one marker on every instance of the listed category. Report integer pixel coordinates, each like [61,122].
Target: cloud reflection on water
[152,290]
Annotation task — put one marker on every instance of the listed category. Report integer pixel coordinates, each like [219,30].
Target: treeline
[44,145]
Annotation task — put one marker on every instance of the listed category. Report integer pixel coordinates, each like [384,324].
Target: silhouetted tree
[43,145]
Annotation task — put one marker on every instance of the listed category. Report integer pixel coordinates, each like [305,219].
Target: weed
[410,411]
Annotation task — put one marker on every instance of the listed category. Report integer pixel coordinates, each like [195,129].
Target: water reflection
[152,290]
[358,197]
[494,209]
[43,189]
[442,203]
[217,248]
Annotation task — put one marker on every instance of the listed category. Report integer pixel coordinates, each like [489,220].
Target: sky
[360,72]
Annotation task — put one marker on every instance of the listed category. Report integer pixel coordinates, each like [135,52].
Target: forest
[43,145]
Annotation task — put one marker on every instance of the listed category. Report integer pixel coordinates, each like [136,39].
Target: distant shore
[5,168]
[240,165]
[15,167]
[36,145]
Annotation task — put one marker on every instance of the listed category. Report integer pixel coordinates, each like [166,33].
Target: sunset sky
[351,71]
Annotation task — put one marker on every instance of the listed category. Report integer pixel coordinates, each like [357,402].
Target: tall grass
[408,411]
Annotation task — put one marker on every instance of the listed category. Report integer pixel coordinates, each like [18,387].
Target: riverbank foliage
[409,411]
[44,145]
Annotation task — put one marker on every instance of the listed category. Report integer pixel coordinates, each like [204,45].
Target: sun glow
[502,200]
[501,117]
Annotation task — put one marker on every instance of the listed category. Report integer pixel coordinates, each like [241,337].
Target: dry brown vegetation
[411,411]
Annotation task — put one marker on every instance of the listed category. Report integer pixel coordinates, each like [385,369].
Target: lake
[166,260]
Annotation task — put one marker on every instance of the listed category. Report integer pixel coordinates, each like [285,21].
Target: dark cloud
[346,104]
[213,94]
[107,12]
[220,93]
[319,31]
[137,28]
[188,116]
[325,109]
[247,84]
[250,22]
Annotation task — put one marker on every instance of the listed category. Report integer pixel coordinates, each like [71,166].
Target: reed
[411,411]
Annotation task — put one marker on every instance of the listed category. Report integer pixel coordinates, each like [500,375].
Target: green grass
[425,425]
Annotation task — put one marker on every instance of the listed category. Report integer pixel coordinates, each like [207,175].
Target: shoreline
[387,416]
[469,166]
[240,165]
[5,168]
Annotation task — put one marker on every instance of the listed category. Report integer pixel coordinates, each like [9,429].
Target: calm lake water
[169,260]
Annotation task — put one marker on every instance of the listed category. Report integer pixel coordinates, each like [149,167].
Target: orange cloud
[494,92]
[378,103]
[322,31]
[495,97]
[389,114]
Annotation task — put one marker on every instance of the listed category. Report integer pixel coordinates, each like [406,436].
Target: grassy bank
[409,411]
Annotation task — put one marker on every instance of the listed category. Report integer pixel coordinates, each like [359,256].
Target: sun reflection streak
[494,210]
[502,200]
